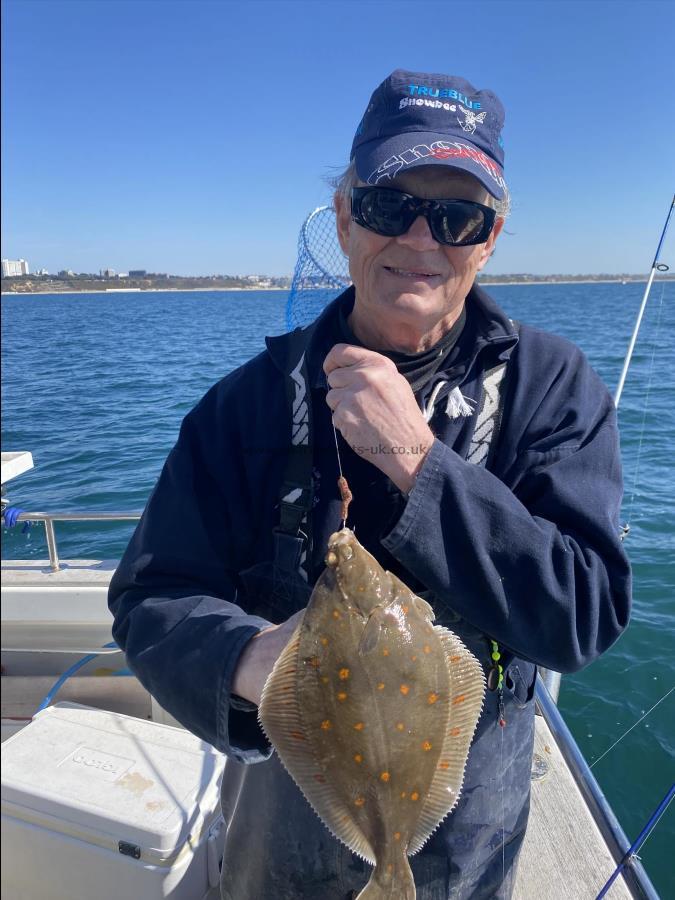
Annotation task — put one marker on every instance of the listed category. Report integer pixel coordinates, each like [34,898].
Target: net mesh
[321,271]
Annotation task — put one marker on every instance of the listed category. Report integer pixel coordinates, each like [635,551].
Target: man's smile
[415,274]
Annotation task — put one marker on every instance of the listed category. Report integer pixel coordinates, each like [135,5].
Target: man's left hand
[375,410]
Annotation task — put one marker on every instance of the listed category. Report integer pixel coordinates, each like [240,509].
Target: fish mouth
[340,547]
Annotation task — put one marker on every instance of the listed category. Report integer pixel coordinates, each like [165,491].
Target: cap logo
[434,104]
[436,150]
[470,119]
[423,90]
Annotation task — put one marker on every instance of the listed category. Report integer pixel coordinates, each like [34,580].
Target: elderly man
[484,463]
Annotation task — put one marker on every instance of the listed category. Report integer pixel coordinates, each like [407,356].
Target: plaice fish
[372,709]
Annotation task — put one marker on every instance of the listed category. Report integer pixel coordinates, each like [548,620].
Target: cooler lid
[108,777]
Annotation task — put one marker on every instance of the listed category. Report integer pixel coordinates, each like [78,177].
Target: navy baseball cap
[420,119]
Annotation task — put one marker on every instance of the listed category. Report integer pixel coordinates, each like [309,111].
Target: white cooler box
[101,806]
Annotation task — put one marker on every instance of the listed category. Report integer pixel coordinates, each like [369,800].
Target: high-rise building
[13,267]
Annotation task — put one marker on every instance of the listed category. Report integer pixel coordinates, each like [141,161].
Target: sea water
[96,385]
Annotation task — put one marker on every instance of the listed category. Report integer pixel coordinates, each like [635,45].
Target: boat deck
[564,856]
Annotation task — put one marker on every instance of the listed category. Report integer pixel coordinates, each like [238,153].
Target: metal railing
[634,874]
[50,518]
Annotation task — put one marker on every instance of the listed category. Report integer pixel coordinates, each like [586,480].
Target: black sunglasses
[390,213]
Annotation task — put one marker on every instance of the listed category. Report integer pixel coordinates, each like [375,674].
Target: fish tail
[393,881]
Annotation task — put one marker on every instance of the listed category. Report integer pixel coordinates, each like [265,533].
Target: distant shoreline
[484,284]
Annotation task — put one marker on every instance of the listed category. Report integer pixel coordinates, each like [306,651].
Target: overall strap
[292,535]
[489,418]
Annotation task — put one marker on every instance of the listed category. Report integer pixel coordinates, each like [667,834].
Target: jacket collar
[492,329]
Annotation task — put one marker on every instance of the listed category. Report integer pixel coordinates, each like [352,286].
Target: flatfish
[372,709]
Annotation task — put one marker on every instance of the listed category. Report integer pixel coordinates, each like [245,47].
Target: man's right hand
[259,656]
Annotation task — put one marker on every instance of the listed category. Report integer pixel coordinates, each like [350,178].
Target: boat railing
[634,874]
[550,678]
[50,532]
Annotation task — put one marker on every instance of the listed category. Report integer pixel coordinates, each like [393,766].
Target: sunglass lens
[461,224]
[385,212]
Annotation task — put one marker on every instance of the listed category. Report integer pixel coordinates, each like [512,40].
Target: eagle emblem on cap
[471,119]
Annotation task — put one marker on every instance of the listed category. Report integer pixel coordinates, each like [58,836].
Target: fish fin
[467,691]
[280,717]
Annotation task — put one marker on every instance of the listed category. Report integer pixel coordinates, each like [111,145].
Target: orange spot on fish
[432,698]
[426,648]
[361,589]
[400,726]
[426,745]
[341,696]
[385,652]
[343,674]
[403,795]
[324,641]
[444,764]
[358,758]
[326,724]
[404,689]
[359,726]
[397,835]
[314,662]
[460,698]
[359,801]
[385,776]
[390,867]
[336,614]
[455,659]
[414,796]
[455,731]
[406,609]
[413,658]
[380,686]
[298,735]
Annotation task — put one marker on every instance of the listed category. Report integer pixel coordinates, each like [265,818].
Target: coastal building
[107,273]
[137,273]
[13,267]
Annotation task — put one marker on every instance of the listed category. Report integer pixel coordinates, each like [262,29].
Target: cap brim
[379,161]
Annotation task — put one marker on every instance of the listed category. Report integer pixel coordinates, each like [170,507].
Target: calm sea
[95,386]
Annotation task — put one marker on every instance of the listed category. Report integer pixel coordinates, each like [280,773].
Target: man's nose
[419,236]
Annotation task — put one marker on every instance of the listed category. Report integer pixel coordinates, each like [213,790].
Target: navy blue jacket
[526,551]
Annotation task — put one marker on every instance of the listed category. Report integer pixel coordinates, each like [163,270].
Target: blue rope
[11,515]
[66,675]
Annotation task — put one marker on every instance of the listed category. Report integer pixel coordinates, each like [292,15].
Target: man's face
[410,289]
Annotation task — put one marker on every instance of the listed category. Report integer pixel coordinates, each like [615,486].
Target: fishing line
[645,408]
[632,727]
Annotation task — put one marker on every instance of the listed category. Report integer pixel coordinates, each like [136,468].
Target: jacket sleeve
[532,557]
[174,599]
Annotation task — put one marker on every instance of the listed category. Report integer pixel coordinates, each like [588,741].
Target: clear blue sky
[193,137]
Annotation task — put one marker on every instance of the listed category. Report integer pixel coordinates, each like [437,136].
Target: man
[483,459]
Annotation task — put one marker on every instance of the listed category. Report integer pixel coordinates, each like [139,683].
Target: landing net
[321,271]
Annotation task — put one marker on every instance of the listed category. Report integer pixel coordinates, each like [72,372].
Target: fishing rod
[656,267]
[631,853]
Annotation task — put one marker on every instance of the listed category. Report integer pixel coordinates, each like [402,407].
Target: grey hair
[343,182]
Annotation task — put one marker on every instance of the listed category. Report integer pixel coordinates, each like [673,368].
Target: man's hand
[258,658]
[376,412]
